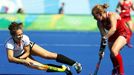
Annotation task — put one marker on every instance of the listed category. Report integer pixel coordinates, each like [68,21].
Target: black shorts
[31,45]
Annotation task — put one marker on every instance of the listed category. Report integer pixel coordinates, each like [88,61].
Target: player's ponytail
[105,6]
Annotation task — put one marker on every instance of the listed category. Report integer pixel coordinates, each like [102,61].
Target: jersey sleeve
[26,40]
[9,45]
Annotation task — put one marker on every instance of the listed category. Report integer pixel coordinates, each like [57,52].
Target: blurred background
[51,14]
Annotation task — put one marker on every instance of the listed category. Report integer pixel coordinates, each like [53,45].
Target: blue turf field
[80,46]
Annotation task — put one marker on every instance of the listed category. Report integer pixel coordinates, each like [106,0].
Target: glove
[103,41]
[102,46]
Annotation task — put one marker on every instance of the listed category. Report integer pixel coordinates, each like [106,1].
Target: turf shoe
[77,67]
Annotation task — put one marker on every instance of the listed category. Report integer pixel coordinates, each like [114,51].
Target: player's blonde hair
[99,9]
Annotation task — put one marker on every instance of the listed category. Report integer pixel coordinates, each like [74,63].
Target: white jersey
[18,50]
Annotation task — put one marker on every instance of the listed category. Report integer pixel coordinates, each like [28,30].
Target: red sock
[120,62]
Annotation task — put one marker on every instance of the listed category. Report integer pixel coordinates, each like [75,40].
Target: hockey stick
[97,66]
[54,67]
[101,52]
